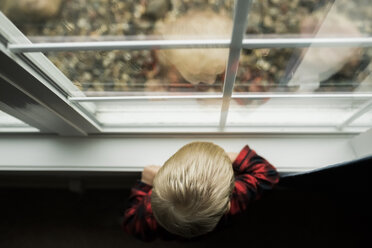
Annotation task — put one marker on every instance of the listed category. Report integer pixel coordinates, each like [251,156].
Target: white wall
[362,144]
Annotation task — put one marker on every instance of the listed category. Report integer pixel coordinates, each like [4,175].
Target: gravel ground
[137,71]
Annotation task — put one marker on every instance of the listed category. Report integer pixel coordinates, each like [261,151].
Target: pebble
[157,8]
[280,28]
[124,77]
[273,11]
[68,25]
[262,64]
[83,23]
[254,20]
[86,77]
[275,2]
[268,22]
[139,10]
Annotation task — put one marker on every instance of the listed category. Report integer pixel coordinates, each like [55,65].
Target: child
[195,191]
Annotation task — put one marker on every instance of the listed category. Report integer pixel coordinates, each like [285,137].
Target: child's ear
[232,155]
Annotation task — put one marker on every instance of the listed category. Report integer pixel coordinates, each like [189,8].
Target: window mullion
[240,20]
[248,43]
[35,99]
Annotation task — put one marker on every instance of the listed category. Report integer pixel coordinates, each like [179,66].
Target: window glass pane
[10,123]
[305,70]
[294,112]
[117,72]
[366,118]
[158,113]
[301,71]
[77,20]
[309,18]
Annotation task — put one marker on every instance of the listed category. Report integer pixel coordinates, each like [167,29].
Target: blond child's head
[191,192]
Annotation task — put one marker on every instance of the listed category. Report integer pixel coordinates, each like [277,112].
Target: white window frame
[28,55]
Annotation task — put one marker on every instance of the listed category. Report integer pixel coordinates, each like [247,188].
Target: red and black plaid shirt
[253,175]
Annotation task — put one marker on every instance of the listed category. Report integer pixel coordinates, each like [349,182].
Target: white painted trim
[289,153]
[217,96]
[247,43]
[23,129]
[362,144]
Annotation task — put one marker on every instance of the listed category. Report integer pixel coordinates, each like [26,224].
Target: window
[117,77]
[192,66]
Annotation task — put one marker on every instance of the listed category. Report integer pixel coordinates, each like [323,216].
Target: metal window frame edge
[77,118]
[247,43]
[241,11]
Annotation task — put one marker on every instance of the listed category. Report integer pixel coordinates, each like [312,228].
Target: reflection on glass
[331,69]
[191,112]
[305,17]
[197,65]
[117,72]
[304,70]
[307,70]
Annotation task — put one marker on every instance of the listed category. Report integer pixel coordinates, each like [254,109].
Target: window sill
[287,152]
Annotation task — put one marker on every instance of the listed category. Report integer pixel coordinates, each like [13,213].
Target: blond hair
[191,192]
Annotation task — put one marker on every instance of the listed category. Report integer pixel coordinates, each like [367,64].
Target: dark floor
[284,218]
